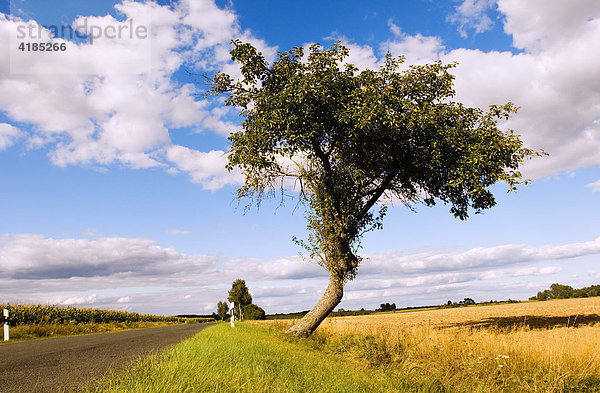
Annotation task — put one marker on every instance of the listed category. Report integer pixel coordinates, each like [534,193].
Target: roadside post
[6,332]
[231,312]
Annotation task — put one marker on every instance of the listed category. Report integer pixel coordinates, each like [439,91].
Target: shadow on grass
[531,321]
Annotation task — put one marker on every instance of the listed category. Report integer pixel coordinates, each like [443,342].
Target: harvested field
[535,346]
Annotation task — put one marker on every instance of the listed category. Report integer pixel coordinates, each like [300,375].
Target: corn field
[29,314]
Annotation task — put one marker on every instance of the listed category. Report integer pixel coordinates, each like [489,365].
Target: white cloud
[207,169]
[417,49]
[113,101]
[476,258]
[179,231]
[8,135]
[472,15]
[595,186]
[123,115]
[113,271]
[78,300]
[555,81]
[534,271]
[537,24]
[124,299]
[33,257]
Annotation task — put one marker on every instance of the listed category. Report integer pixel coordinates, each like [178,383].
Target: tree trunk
[331,298]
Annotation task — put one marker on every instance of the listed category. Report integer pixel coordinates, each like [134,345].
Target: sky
[113,187]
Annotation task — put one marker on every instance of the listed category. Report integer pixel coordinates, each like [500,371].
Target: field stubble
[551,346]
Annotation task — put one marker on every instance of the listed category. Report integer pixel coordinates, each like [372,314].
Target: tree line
[559,291]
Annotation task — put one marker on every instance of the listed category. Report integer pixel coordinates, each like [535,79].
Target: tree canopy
[240,295]
[351,140]
[560,291]
[254,312]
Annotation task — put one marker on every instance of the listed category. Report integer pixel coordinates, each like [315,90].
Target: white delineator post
[6,332]
[231,311]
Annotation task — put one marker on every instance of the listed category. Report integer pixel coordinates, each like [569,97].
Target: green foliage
[350,139]
[24,314]
[559,291]
[222,310]
[253,312]
[240,295]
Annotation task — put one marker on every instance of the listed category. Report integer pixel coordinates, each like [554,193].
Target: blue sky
[114,192]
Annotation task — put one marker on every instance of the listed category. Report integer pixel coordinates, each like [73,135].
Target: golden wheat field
[550,346]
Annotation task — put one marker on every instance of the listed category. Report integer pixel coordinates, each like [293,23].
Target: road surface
[52,364]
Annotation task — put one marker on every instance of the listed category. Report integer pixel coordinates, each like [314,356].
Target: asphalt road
[65,363]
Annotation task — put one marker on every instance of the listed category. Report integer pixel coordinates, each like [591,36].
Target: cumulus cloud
[554,80]
[207,169]
[537,25]
[98,108]
[114,100]
[34,257]
[139,274]
[417,49]
[475,258]
[472,15]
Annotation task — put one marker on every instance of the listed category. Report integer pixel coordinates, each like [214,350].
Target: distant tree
[240,295]
[387,307]
[594,290]
[558,291]
[254,312]
[222,310]
[468,301]
[354,140]
[543,295]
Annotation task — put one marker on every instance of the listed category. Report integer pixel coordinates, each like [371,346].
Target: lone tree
[239,294]
[352,141]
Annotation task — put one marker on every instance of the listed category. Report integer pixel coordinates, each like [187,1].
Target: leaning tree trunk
[331,298]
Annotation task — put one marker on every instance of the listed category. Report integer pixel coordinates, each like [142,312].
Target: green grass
[254,359]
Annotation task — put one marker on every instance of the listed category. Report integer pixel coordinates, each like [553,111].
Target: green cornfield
[30,314]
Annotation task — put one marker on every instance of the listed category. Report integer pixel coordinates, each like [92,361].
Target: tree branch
[378,193]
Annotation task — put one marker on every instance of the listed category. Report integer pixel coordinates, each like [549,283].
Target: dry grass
[551,346]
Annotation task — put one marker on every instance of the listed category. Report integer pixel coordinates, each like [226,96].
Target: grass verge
[255,359]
